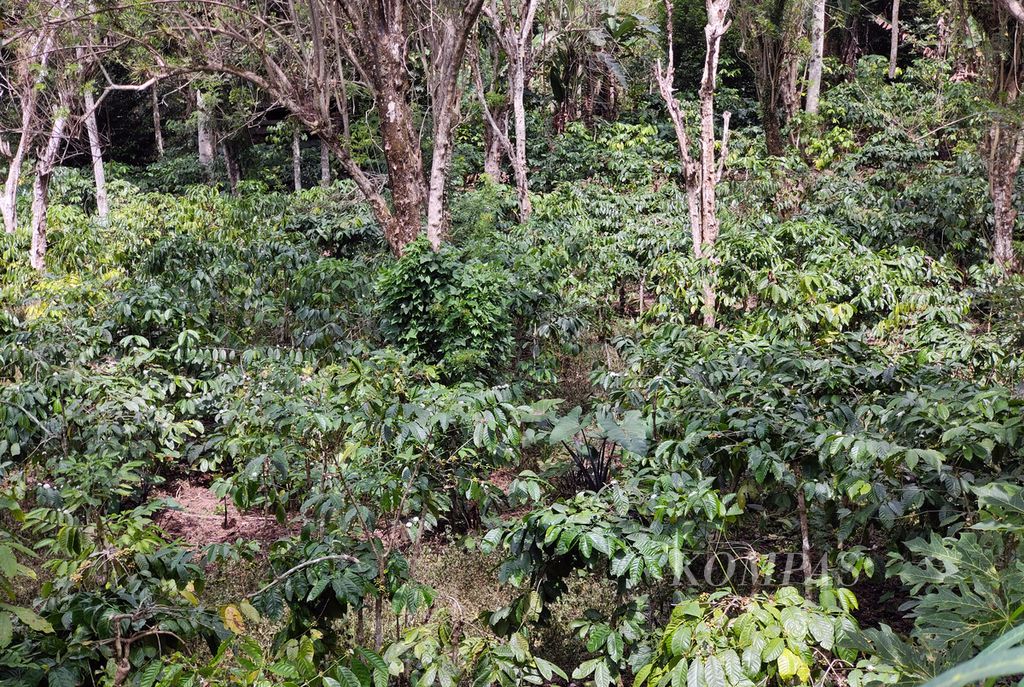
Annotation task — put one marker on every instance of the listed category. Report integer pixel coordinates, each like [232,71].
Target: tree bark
[205,133]
[231,166]
[806,564]
[448,49]
[158,134]
[894,39]
[519,162]
[515,34]
[297,160]
[9,200]
[1005,147]
[41,186]
[817,57]
[494,149]
[700,175]
[325,164]
[96,151]
[28,86]
[1015,8]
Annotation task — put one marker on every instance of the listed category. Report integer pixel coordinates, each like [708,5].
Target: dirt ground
[201,520]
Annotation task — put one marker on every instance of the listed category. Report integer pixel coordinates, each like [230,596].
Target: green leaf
[695,674]
[615,646]
[714,673]
[983,667]
[602,674]
[29,618]
[8,563]
[6,629]
[823,630]
[794,622]
[773,649]
[790,666]
[566,428]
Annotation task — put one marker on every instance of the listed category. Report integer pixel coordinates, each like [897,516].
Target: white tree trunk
[297,160]
[41,188]
[29,96]
[515,35]
[701,174]
[158,134]
[325,164]
[520,169]
[894,39]
[205,133]
[814,67]
[9,200]
[96,151]
[439,164]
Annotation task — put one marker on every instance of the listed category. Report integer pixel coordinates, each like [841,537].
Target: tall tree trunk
[158,134]
[494,149]
[439,164]
[96,151]
[405,172]
[519,162]
[1005,146]
[231,166]
[401,142]
[713,32]
[771,123]
[817,58]
[297,160]
[205,133]
[9,200]
[325,164]
[41,187]
[894,39]
[29,90]
[700,175]
[451,38]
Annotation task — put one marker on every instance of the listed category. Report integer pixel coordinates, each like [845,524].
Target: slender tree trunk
[806,564]
[378,622]
[41,187]
[702,174]
[494,150]
[9,200]
[1005,147]
[205,133]
[158,134]
[297,160]
[519,162]
[29,89]
[96,151]
[439,165]
[451,42]
[894,39]
[231,166]
[325,164]
[817,57]
[713,32]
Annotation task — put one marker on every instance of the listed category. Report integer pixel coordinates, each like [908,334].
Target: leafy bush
[779,638]
[447,309]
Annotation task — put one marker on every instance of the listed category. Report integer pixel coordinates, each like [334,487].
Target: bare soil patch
[204,519]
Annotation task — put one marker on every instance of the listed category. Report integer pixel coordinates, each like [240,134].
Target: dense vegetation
[579,428]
